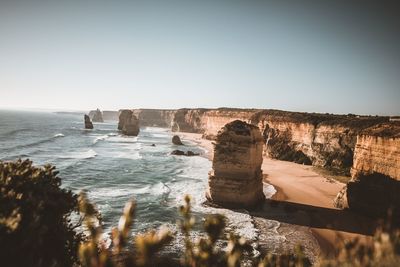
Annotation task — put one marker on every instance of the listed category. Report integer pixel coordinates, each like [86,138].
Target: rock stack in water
[128,123]
[236,177]
[97,116]
[88,123]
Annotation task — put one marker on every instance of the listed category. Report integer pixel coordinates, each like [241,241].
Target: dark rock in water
[236,176]
[191,153]
[128,123]
[153,144]
[176,140]
[178,153]
[182,153]
[96,115]
[88,123]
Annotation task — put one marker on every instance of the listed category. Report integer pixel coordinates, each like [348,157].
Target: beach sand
[304,199]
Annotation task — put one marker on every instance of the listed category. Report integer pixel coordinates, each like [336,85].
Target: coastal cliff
[323,140]
[155,117]
[208,121]
[375,184]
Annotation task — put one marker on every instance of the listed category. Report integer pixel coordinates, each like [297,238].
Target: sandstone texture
[236,176]
[208,121]
[88,123]
[323,140]
[128,123]
[176,140]
[96,115]
[375,183]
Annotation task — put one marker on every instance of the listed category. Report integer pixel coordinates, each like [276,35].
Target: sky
[314,56]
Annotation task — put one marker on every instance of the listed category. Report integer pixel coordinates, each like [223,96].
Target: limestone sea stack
[88,123]
[128,123]
[235,180]
[97,116]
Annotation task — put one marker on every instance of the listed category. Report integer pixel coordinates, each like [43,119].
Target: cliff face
[375,184]
[378,151]
[236,177]
[109,115]
[208,121]
[319,139]
[155,117]
[323,140]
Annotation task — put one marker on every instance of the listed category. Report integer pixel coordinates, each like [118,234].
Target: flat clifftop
[315,119]
[389,130]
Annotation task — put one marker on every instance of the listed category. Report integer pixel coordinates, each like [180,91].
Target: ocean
[113,168]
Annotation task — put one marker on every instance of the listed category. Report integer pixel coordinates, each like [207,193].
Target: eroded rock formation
[128,123]
[88,123]
[324,140]
[96,115]
[176,140]
[375,183]
[236,176]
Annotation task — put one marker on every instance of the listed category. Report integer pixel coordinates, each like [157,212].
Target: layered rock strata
[323,140]
[375,184]
[236,176]
[128,123]
[88,123]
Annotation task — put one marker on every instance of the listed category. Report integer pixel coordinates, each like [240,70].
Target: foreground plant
[35,229]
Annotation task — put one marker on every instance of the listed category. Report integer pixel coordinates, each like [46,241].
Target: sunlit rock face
[375,184]
[236,176]
[88,123]
[128,123]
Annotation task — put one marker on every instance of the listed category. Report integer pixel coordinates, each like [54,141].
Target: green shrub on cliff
[34,211]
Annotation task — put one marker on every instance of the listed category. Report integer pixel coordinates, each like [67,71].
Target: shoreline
[301,186]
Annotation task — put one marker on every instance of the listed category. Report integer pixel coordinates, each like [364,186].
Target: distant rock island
[87,121]
[96,115]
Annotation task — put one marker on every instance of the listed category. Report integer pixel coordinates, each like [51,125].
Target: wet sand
[304,199]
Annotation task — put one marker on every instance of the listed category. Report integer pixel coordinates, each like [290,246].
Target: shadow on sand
[316,217]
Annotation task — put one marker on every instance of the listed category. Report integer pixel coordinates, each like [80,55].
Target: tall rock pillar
[236,177]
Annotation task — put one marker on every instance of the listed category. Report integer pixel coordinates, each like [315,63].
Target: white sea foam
[100,138]
[80,155]
[59,135]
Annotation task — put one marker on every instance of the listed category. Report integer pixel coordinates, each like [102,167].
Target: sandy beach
[304,199]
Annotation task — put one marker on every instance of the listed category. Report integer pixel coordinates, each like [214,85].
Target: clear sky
[337,58]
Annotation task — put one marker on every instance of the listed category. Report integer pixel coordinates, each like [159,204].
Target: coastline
[297,186]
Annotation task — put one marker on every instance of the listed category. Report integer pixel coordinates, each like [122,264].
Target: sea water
[113,168]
